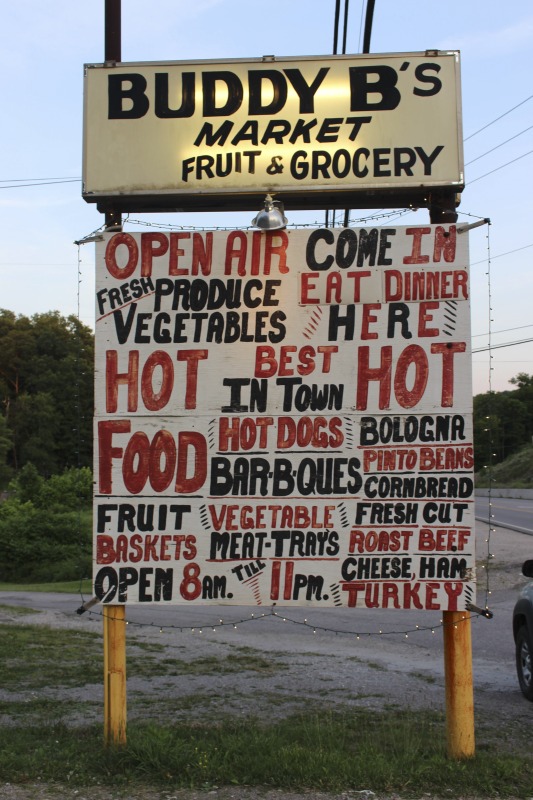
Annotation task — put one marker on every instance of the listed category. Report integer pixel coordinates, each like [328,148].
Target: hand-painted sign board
[284,417]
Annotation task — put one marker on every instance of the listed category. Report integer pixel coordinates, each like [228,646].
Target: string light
[79,416]
[390,215]
[303,623]
[382,215]
[489,429]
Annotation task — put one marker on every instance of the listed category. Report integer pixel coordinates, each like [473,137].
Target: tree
[63,368]
[46,388]
[522,380]
[35,424]
[524,393]
[6,443]
[17,348]
[45,527]
[503,422]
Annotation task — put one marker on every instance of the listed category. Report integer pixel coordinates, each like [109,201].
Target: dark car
[523,633]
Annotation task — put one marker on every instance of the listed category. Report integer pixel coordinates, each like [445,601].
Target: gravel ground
[306,669]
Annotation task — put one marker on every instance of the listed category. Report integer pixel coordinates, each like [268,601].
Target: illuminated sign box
[331,131]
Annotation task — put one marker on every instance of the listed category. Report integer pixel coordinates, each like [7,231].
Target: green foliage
[28,485]
[35,425]
[70,490]
[6,443]
[503,422]
[516,472]
[45,527]
[46,393]
[523,381]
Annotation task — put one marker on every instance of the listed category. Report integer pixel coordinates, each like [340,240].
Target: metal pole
[115,708]
[369,17]
[336,26]
[113,54]
[459,687]
[345,32]
[113,30]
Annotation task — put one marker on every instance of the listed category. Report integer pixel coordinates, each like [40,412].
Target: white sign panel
[284,417]
[287,126]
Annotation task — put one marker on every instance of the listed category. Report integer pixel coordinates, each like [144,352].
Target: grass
[64,587]
[35,657]
[515,472]
[423,676]
[17,611]
[37,708]
[174,704]
[151,666]
[397,751]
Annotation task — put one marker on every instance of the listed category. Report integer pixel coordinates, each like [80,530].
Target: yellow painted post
[114,674]
[459,685]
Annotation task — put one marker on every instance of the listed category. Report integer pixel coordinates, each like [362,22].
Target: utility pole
[114,615]
[113,55]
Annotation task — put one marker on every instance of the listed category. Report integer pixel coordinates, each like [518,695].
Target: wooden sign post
[460,737]
[114,674]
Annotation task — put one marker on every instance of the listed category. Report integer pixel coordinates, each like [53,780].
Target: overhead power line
[518,158]
[56,178]
[498,146]
[498,118]
[505,330]
[40,183]
[501,255]
[497,346]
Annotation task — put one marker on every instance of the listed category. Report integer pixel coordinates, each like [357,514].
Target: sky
[43,47]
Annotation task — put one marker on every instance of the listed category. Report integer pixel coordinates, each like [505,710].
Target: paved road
[506,511]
